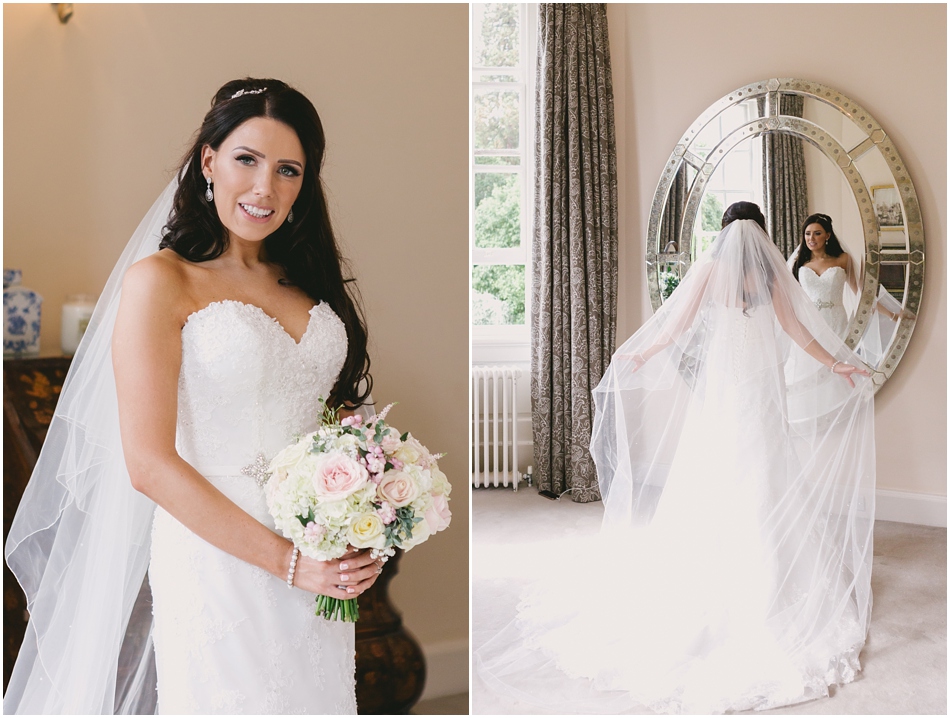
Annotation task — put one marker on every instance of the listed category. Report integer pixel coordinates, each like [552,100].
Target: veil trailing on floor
[733,567]
[79,545]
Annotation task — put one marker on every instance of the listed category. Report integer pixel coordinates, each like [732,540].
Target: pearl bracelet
[293,567]
[834,365]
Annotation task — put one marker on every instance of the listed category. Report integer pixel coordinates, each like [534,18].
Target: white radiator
[495,426]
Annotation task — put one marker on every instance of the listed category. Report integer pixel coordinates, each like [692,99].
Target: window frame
[510,342]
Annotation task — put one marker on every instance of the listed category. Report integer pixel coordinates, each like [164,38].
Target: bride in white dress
[224,340]
[732,571]
[831,278]
[823,268]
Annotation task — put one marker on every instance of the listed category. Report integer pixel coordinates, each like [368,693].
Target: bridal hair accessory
[290,216]
[239,93]
[293,567]
[209,195]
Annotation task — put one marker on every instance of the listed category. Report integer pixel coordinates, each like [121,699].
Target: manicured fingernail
[350,590]
[344,566]
[344,577]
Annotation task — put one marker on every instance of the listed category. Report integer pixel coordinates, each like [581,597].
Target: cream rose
[420,532]
[410,452]
[337,476]
[440,482]
[398,488]
[366,531]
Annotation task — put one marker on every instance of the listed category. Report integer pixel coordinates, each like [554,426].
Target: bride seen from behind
[224,341]
[743,533]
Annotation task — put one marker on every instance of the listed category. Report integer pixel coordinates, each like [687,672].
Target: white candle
[76,313]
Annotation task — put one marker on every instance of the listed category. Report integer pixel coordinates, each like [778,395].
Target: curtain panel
[784,181]
[574,266]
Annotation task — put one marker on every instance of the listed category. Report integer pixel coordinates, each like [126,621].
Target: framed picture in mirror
[887,207]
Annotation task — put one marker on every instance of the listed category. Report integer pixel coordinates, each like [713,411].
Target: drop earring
[290,216]
[209,195]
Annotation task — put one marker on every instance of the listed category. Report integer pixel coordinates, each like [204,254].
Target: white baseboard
[446,668]
[910,508]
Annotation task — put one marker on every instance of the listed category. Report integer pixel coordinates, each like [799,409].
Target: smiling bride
[226,320]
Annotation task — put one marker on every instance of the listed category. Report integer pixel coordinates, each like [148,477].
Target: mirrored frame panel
[849,157]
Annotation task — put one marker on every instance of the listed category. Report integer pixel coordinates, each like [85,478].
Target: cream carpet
[904,661]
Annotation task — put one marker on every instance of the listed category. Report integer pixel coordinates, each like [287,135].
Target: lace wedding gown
[229,637]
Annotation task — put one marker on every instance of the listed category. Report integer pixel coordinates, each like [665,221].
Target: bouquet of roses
[359,484]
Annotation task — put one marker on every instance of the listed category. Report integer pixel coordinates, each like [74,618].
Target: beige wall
[671,62]
[97,113]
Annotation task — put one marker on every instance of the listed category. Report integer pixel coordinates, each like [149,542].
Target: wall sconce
[64,10]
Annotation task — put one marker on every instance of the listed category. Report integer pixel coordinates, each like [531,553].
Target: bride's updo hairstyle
[744,210]
[832,246]
[307,249]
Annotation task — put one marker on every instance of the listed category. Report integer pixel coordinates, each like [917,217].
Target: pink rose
[398,488]
[438,515]
[337,476]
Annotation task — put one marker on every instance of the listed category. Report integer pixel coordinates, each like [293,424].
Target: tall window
[502,73]
[737,178]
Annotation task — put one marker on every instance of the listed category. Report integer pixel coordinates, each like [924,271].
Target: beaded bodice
[246,387]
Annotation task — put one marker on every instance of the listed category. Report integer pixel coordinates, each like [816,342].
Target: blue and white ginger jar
[21,316]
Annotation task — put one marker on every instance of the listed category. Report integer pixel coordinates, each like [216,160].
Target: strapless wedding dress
[812,388]
[229,637]
[826,290]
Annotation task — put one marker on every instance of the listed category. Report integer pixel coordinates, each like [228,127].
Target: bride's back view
[736,546]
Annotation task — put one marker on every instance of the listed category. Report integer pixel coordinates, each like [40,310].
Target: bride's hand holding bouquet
[354,485]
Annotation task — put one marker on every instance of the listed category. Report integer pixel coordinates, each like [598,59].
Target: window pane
[497,34]
[496,120]
[497,78]
[498,294]
[490,160]
[497,210]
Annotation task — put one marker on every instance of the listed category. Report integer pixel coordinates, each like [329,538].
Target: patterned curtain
[574,272]
[783,175]
[673,212]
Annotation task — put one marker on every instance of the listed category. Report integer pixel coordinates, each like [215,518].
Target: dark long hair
[306,250]
[832,246]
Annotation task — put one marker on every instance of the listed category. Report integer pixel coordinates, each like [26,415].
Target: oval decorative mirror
[795,148]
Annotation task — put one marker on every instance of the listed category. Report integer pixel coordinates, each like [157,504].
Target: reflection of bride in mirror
[831,278]
[733,568]
[823,268]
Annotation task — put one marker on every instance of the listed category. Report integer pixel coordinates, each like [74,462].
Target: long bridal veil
[79,545]
[732,570]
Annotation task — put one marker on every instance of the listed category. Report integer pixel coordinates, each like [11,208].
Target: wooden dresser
[390,670]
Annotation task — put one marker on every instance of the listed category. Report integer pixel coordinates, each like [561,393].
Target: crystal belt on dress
[257,469]
[823,305]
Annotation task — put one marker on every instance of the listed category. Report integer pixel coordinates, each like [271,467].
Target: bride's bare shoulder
[161,280]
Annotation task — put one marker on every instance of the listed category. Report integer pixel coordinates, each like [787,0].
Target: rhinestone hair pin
[248,92]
